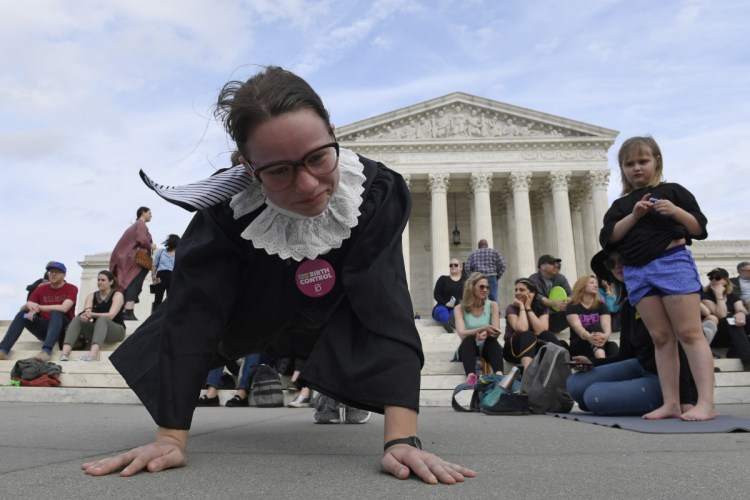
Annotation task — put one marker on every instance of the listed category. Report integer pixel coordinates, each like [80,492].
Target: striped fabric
[205,193]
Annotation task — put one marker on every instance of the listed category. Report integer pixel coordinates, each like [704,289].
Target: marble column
[519,182]
[563,227]
[575,216]
[537,220]
[439,234]
[472,218]
[480,185]
[511,253]
[598,181]
[405,241]
[590,231]
[550,229]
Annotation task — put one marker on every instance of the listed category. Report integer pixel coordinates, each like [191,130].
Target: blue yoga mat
[722,423]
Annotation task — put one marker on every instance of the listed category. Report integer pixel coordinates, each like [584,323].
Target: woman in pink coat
[130,275]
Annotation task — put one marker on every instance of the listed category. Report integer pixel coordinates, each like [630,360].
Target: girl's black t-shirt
[653,233]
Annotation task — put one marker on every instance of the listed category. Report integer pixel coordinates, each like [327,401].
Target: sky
[91,91]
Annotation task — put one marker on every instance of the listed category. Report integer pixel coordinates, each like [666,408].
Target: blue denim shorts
[674,273]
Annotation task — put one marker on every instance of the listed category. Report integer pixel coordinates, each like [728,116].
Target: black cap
[547,259]
[597,265]
[718,272]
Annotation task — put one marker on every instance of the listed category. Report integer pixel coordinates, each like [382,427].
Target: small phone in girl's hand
[731,321]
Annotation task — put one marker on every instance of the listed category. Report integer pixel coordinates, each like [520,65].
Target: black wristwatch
[411,441]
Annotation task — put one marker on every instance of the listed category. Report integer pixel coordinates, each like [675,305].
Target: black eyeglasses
[454,265]
[280,175]
[714,278]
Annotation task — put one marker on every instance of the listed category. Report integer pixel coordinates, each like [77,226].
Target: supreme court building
[529,183]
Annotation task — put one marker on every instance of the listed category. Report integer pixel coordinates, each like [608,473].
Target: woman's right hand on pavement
[166,452]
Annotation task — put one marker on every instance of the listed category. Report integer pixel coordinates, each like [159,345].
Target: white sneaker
[709,330]
[300,402]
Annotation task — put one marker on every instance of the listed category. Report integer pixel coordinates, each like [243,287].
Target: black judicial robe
[229,299]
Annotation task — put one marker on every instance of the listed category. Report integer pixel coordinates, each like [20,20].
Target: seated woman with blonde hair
[590,321]
[478,326]
[100,321]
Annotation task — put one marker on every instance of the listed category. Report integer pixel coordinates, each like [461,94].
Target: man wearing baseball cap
[46,314]
[724,304]
[547,277]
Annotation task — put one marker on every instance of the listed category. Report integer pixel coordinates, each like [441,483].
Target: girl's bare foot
[699,413]
[664,412]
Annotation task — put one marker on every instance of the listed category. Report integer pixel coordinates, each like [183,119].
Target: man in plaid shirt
[489,262]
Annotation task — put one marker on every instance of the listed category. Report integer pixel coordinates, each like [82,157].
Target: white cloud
[92,91]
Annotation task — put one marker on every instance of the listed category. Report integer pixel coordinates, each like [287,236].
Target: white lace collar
[290,235]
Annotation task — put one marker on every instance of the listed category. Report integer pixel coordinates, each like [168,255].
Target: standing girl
[650,225]
[161,271]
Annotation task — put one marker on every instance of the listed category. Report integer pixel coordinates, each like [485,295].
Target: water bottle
[507,381]
[478,366]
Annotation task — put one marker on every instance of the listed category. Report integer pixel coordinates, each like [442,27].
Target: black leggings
[165,280]
[733,337]
[523,344]
[134,288]
[491,352]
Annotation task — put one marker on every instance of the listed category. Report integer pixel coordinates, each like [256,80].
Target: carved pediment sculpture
[452,118]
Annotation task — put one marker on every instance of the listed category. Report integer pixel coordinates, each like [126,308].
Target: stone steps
[99,382]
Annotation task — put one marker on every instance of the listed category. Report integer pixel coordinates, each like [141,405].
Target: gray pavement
[280,453]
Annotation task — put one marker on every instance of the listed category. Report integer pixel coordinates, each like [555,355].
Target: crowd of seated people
[593,303]
[725,316]
[610,379]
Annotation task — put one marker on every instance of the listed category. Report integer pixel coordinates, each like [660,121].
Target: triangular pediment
[464,117]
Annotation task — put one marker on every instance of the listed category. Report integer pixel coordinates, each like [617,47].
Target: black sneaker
[205,401]
[238,402]
[509,404]
[129,315]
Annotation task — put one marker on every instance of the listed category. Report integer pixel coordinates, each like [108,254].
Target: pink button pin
[315,278]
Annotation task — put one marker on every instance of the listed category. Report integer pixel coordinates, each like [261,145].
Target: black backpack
[266,388]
